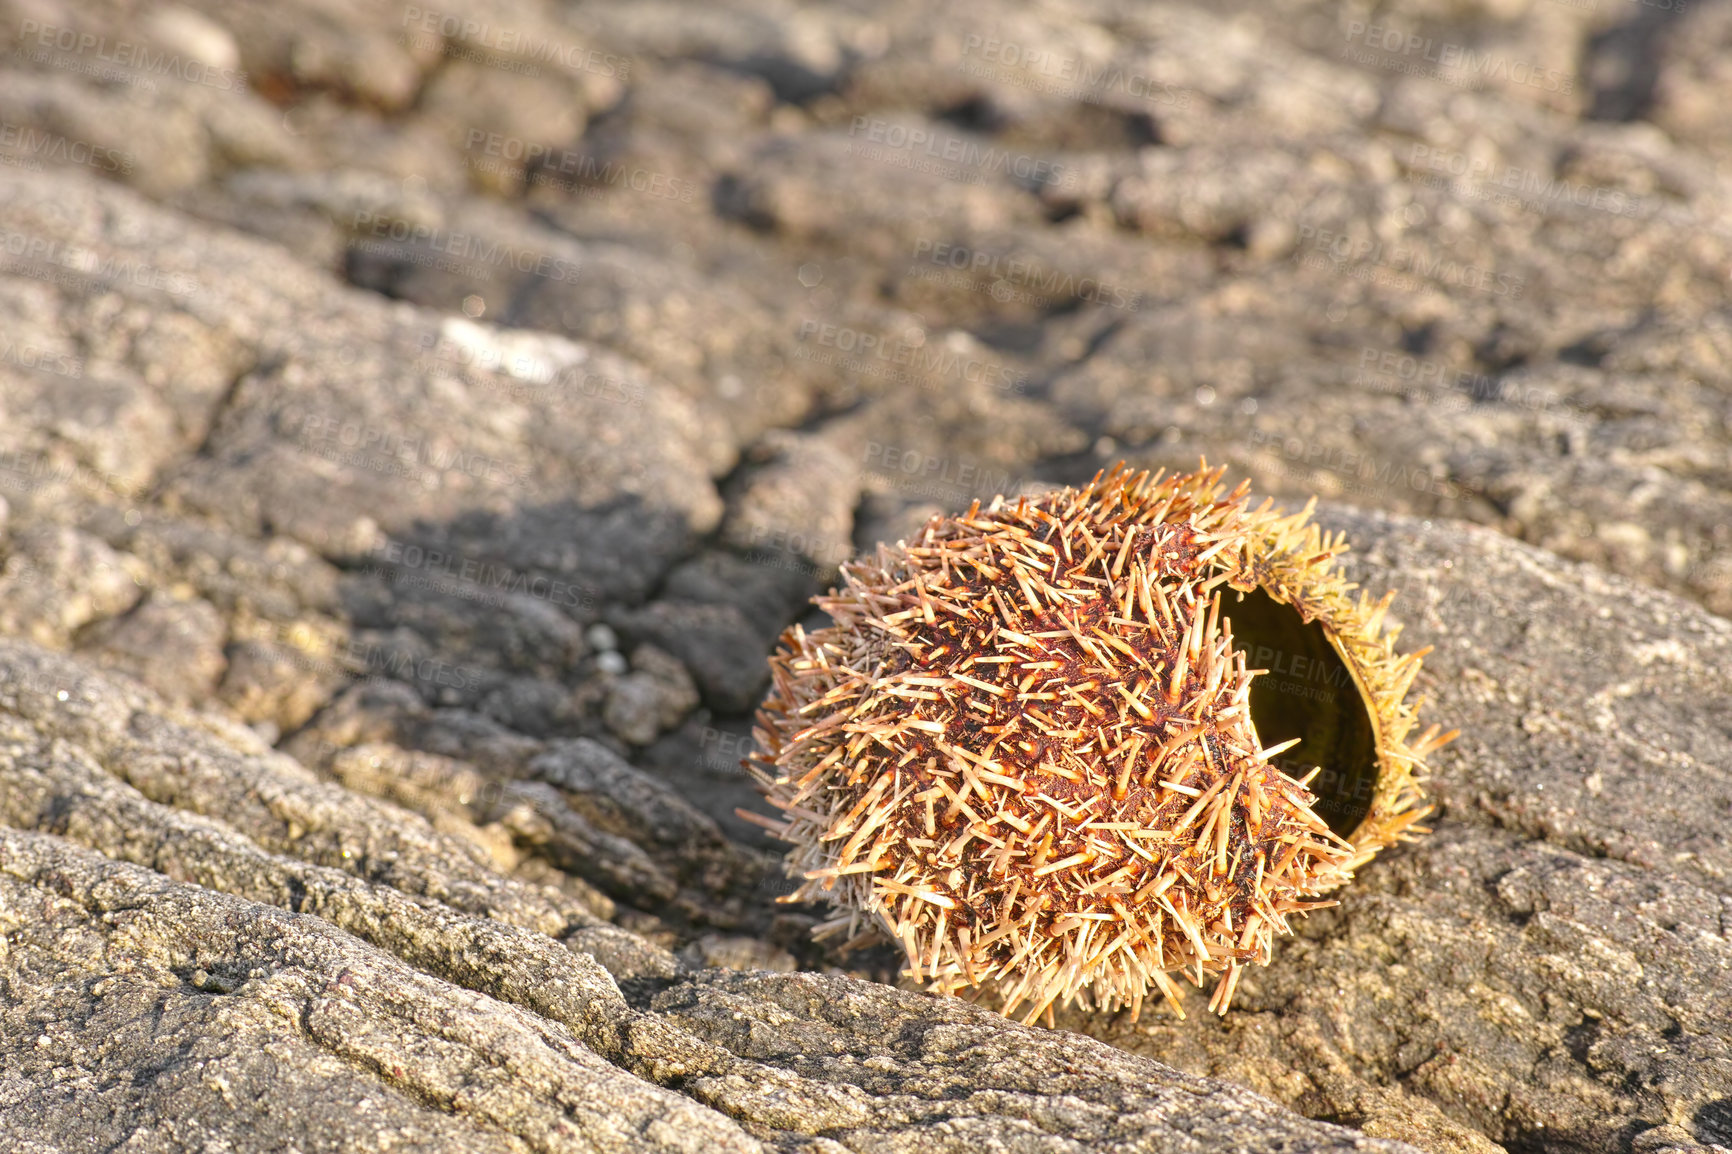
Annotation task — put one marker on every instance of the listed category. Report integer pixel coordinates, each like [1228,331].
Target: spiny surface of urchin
[1025,746]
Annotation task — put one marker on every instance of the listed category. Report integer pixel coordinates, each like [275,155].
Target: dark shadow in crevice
[1307,693]
[791,81]
[1622,64]
[1713,1122]
[975,114]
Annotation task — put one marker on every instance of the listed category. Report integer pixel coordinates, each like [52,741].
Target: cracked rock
[417,426]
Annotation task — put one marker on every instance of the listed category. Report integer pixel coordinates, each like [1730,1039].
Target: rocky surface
[417,424]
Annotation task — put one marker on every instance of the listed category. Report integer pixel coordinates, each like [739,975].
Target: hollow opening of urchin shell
[1308,693]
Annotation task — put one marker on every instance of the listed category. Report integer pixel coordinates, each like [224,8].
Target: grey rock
[364,52]
[271,982]
[798,504]
[219,981]
[540,818]
[768,587]
[504,819]
[1682,67]
[717,644]
[534,706]
[383,710]
[714,951]
[364,369]
[607,823]
[628,797]
[173,646]
[134,394]
[721,879]
[277,581]
[272,799]
[540,110]
[264,682]
[56,580]
[726,352]
[701,760]
[840,180]
[655,696]
[689,112]
[1466,947]
[403,463]
[948,1067]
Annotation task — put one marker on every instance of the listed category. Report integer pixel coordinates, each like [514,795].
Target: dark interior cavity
[1307,693]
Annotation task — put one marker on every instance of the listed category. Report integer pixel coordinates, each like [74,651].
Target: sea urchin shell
[1029,747]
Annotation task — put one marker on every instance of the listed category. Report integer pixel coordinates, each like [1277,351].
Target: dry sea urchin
[1031,748]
